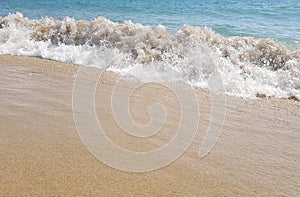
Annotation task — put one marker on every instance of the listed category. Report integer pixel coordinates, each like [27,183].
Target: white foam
[248,66]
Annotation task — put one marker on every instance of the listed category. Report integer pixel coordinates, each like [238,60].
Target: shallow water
[268,18]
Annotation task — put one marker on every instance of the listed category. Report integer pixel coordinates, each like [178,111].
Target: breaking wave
[249,67]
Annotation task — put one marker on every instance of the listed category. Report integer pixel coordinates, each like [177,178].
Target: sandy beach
[257,154]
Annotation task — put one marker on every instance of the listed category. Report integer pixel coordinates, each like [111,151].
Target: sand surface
[257,154]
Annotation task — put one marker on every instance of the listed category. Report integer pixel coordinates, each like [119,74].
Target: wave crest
[249,66]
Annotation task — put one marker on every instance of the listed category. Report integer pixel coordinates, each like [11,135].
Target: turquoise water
[276,19]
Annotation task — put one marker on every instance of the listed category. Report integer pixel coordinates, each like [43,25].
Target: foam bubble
[248,66]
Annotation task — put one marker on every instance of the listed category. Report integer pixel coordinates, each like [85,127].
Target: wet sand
[257,154]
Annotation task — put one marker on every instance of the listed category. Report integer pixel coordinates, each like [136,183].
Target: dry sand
[258,152]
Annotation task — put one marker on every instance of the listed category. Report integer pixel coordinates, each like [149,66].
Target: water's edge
[249,67]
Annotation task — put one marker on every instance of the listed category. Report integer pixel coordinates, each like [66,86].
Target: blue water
[278,19]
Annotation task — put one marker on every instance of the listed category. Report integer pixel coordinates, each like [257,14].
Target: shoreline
[257,153]
[71,67]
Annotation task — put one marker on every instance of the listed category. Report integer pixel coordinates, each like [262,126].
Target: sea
[253,44]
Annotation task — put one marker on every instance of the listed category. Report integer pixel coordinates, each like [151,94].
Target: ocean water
[255,45]
[259,18]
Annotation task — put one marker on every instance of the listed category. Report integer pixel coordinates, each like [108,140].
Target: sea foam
[248,66]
